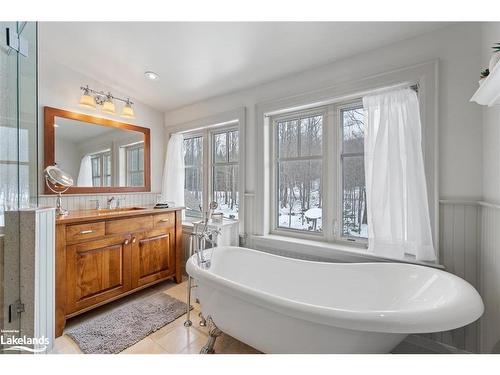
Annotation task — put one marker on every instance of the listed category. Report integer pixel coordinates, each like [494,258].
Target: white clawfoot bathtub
[284,305]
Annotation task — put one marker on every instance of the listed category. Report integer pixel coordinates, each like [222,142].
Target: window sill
[326,251]
[187,222]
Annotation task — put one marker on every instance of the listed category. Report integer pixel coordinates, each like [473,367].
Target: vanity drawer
[85,231]
[135,224]
[164,220]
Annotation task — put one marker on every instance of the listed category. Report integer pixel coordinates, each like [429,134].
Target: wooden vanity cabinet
[153,256]
[96,271]
[101,260]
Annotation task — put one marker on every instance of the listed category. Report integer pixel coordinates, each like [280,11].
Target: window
[101,168]
[299,172]
[318,184]
[225,172]
[135,164]
[193,178]
[354,221]
[217,152]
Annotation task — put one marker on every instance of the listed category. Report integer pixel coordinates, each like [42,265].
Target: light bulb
[151,75]
[128,111]
[108,106]
[86,100]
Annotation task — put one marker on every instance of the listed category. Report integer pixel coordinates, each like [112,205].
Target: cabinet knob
[126,242]
[133,240]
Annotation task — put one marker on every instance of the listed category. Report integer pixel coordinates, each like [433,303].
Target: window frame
[208,135]
[339,107]
[273,165]
[204,196]
[425,75]
[211,133]
[332,179]
[128,148]
[100,155]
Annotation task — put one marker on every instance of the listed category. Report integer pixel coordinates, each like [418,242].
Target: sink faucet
[118,200]
[97,203]
[109,202]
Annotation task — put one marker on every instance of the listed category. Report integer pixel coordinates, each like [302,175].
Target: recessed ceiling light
[151,75]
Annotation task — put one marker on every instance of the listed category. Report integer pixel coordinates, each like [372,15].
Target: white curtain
[396,193]
[85,172]
[173,174]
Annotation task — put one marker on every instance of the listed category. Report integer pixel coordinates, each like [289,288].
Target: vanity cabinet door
[153,256]
[97,271]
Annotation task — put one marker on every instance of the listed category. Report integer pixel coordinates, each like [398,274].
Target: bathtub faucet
[206,235]
[197,243]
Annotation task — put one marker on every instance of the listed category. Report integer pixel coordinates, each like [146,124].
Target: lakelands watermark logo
[11,341]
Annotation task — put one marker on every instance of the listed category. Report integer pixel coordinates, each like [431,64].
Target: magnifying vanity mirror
[58,182]
[102,155]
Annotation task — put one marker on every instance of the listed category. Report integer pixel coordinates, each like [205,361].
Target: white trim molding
[425,74]
[221,120]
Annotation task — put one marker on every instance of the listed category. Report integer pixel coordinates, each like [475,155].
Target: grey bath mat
[115,331]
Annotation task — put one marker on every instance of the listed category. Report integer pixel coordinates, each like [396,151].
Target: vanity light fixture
[108,106]
[151,75]
[91,98]
[128,111]
[86,100]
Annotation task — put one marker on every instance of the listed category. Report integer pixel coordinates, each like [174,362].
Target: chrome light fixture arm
[100,96]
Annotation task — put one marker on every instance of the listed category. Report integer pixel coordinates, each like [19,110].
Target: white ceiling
[79,131]
[197,61]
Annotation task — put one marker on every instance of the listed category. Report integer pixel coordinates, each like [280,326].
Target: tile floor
[173,338]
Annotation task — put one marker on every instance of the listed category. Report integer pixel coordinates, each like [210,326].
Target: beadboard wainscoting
[470,248]
[489,277]
[42,268]
[459,252]
[87,201]
[1,281]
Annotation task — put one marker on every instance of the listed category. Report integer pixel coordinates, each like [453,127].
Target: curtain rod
[414,86]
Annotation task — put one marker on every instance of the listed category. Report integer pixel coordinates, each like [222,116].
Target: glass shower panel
[8,124]
[18,160]
[28,115]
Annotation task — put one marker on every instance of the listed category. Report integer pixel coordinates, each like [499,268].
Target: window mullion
[207,177]
[337,173]
[329,169]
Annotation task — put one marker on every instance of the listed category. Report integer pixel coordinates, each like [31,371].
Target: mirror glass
[97,155]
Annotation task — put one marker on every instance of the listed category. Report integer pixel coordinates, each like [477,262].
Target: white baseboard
[432,345]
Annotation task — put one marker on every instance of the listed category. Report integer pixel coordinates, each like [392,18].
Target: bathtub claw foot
[203,322]
[213,333]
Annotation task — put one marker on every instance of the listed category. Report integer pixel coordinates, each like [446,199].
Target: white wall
[490,240]
[458,51]
[491,123]
[59,87]
[67,156]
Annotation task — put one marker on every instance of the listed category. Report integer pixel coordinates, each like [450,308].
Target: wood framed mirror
[102,156]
